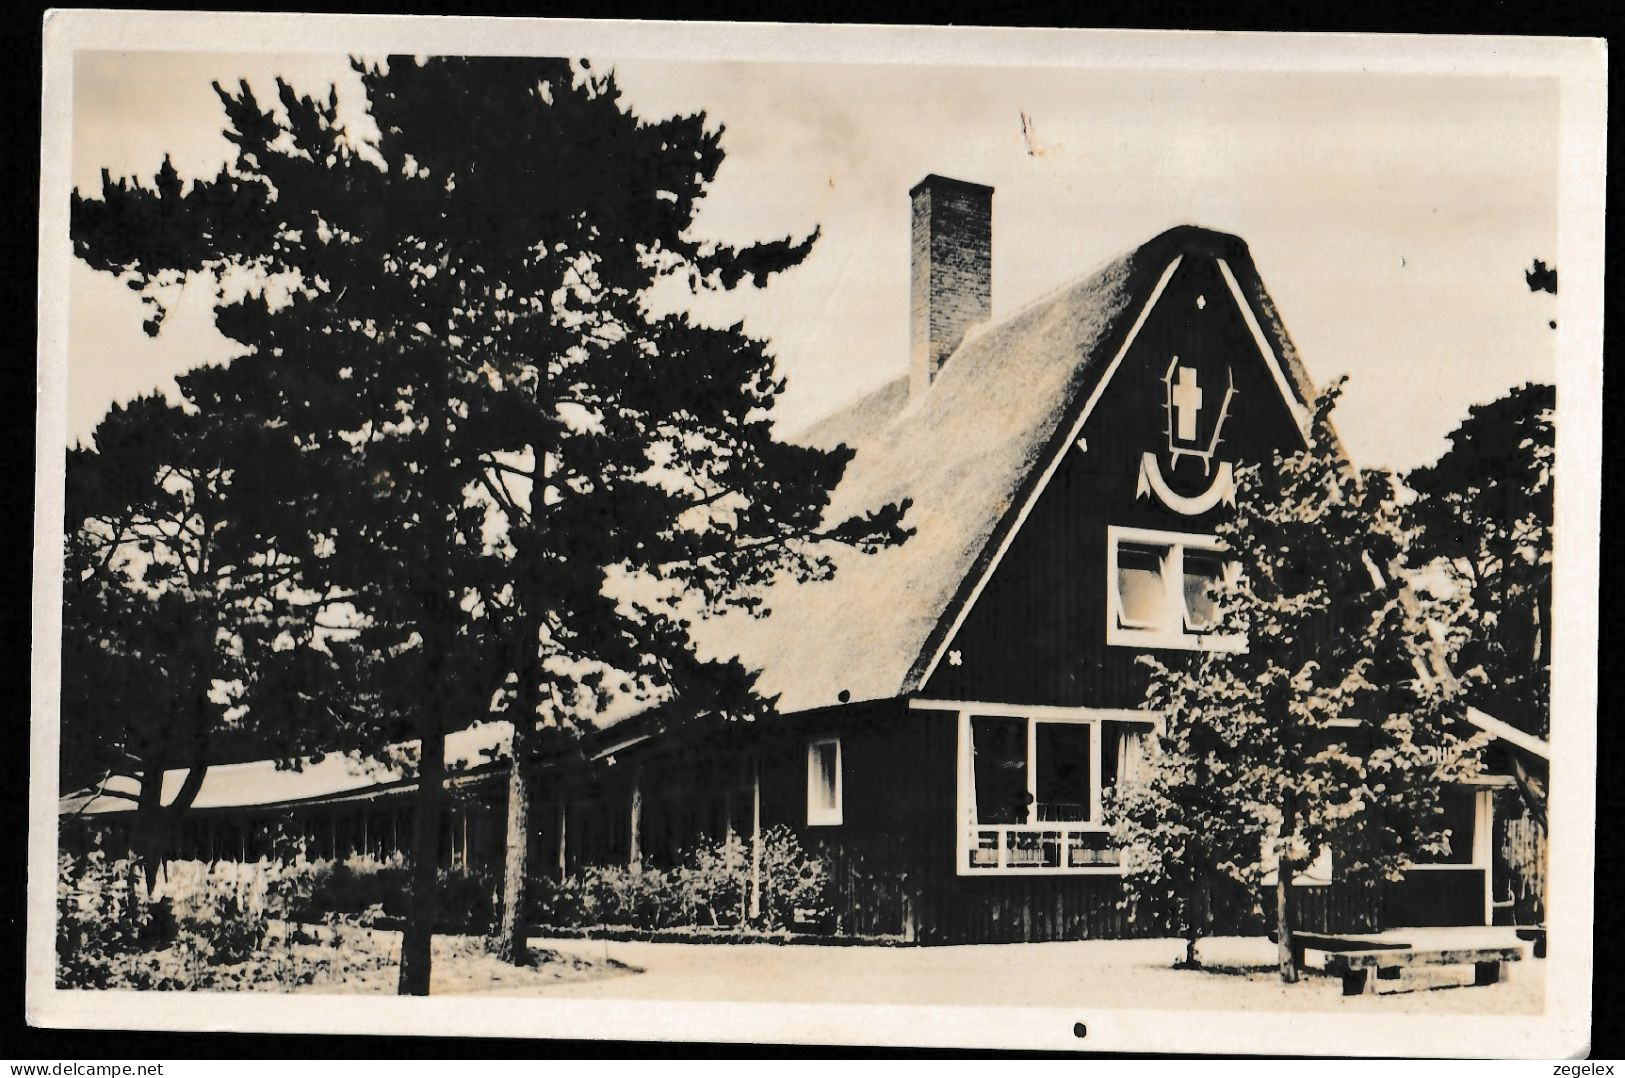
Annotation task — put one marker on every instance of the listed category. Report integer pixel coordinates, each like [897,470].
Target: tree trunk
[154,827]
[1190,951]
[418,936]
[509,943]
[1283,920]
[755,838]
[147,830]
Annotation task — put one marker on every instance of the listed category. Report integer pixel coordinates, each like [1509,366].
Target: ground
[1102,973]
[462,966]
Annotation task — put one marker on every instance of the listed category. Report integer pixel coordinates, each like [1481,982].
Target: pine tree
[1483,517]
[1321,723]
[453,321]
[182,600]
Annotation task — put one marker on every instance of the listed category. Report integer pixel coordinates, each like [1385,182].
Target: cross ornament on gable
[1187,402]
[1184,398]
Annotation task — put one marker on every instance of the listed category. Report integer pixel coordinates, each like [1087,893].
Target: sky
[1391,216]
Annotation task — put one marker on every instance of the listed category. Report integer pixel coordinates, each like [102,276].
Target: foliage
[1482,517]
[101,916]
[181,608]
[109,935]
[229,925]
[710,887]
[370,890]
[1330,727]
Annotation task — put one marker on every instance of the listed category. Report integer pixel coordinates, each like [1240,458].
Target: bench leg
[1354,982]
[1486,972]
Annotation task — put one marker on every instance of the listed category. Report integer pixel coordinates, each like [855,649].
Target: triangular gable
[1150,461]
[1192,472]
[971,453]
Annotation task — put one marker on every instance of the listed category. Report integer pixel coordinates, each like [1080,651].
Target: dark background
[19,129]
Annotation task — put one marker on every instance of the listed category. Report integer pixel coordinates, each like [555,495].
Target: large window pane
[1203,574]
[1063,772]
[1459,805]
[1141,588]
[999,752]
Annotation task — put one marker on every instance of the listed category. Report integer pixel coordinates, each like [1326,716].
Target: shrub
[223,929]
[710,887]
[560,903]
[104,919]
[355,885]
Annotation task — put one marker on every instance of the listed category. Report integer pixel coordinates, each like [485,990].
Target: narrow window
[1204,571]
[824,782]
[1141,587]
[999,761]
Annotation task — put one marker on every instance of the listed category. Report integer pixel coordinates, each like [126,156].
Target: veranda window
[1031,793]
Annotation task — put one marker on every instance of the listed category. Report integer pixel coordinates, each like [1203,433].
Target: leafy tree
[1483,517]
[454,317]
[1329,727]
[179,604]
[1482,520]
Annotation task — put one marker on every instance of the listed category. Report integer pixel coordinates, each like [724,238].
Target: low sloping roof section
[968,452]
[336,776]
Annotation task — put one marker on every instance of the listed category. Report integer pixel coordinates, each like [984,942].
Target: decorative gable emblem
[1195,415]
[1188,420]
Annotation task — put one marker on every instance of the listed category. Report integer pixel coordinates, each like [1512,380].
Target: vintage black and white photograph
[657,532]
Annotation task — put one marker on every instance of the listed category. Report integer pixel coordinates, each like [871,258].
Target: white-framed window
[1031,785]
[1160,589]
[824,782]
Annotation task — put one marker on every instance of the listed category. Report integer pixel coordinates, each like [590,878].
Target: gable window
[824,782]
[1161,589]
[1031,788]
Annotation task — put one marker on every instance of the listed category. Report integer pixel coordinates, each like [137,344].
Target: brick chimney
[951,279]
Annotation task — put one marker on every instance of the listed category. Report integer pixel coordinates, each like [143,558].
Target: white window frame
[1482,850]
[1186,637]
[819,815]
[969,831]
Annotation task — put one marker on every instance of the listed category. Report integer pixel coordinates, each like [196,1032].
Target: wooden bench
[1536,936]
[1355,967]
[1314,941]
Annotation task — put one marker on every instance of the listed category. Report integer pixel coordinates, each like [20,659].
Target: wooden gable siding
[1037,633]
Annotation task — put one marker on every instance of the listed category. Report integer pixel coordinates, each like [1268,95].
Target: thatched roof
[966,452]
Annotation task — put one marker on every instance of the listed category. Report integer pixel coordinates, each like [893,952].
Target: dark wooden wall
[1037,633]
[892,859]
[1453,896]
